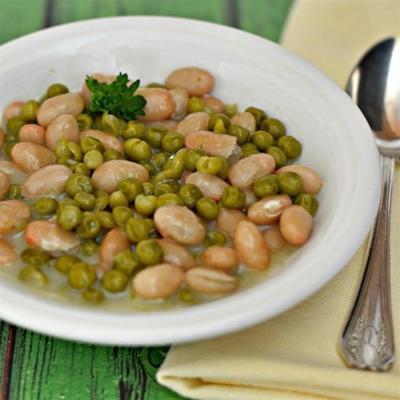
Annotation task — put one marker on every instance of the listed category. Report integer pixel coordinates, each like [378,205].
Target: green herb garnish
[116,98]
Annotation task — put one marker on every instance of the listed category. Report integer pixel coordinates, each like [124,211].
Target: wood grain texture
[36,367]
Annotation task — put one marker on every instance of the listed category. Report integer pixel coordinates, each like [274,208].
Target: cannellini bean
[197,121]
[176,254]
[274,238]
[158,282]
[210,185]
[220,257]
[47,181]
[48,236]
[87,94]
[159,106]
[214,103]
[296,225]
[248,169]
[181,98]
[245,120]
[311,180]
[32,133]
[251,246]
[68,103]
[12,110]
[31,156]
[14,215]
[213,144]
[196,81]
[269,209]
[4,184]
[169,124]
[1,136]
[8,254]
[113,243]
[10,168]
[250,197]
[63,126]
[107,140]
[179,223]
[228,220]
[109,174]
[205,280]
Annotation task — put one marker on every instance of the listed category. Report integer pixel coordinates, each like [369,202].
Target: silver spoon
[374,85]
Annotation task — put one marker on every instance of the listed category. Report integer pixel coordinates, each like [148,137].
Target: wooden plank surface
[34,366]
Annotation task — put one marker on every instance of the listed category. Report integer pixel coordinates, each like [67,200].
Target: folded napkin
[294,356]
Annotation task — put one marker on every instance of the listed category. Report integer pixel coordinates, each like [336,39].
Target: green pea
[233,197]
[242,134]
[191,159]
[274,127]
[90,226]
[117,198]
[152,227]
[137,230]
[249,149]
[56,89]
[11,137]
[148,166]
[223,173]
[89,247]
[13,125]
[92,295]
[76,152]
[257,113]
[102,200]
[186,296]
[214,238]
[111,154]
[190,193]
[173,168]
[133,130]
[145,204]
[155,85]
[7,147]
[266,186]
[308,202]
[114,281]
[89,143]
[45,206]
[93,159]
[207,208]
[215,118]
[35,257]
[106,219]
[85,121]
[290,146]
[77,183]
[81,275]
[29,111]
[158,160]
[80,169]
[154,135]
[14,192]
[33,275]
[148,188]
[219,126]
[169,186]
[290,183]
[64,161]
[126,261]
[69,217]
[168,199]
[86,201]
[195,104]
[66,202]
[230,109]
[263,140]
[62,150]
[278,155]
[137,150]
[130,187]
[209,165]
[64,263]
[172,142]
[111,124]
[121,215]
[149,252]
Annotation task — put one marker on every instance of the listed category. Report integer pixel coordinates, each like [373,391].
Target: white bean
[14,215]
[245,120]
[250,197]
[197,121]
[32,133]
[221,258]
[12,110]
[176,254]
[8,254]
[168,123]
[4,184]
[216,105]
[181,98]
[63,126]
[311,180]
[179,223]
[205,280]
[158,282]
[296,225]
[209,185]
[196,81]
[269,209]
[107,140]
[228,220]
[274,238]
[31,156]
[10,168]
[159,104]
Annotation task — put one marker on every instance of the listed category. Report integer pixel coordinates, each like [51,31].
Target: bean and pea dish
[150,192]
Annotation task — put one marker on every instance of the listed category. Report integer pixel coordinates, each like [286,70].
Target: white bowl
[336,139]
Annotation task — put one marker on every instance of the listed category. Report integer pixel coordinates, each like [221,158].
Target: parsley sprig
[116,98]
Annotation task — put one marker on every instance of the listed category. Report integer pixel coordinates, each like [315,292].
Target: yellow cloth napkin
[294,356]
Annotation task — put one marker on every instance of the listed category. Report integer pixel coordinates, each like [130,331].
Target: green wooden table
[33,366]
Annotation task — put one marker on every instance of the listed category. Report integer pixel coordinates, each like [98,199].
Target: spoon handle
[367,340]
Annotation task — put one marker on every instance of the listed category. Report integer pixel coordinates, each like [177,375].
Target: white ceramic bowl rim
[245,308]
